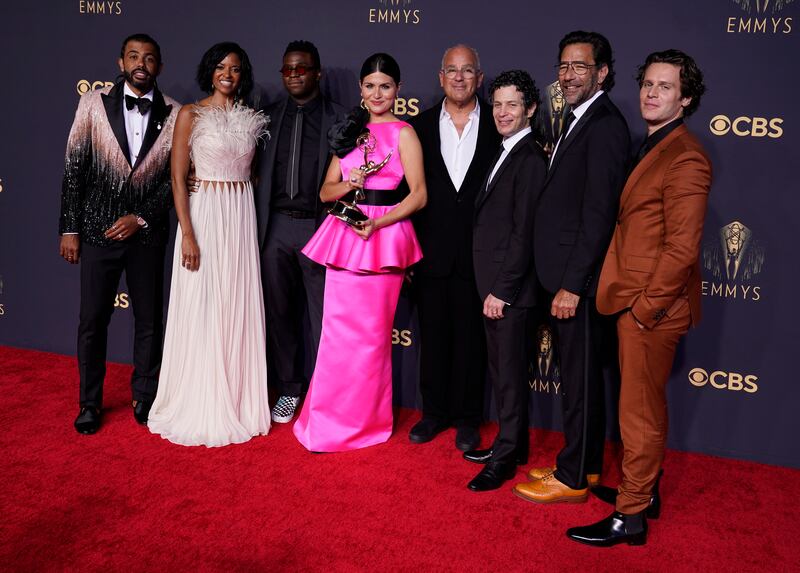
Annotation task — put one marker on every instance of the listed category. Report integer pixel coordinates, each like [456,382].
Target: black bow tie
[141,102]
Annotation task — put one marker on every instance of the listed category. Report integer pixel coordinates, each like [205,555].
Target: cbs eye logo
[85,86]
[724,380]
[744,126]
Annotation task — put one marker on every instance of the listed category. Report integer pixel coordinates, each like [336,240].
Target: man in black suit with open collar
[574,221]
[292,166]
[114,202]
[503,255]
[458,140]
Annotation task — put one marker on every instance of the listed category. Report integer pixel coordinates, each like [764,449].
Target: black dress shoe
[483,457]
[467,438]
[425,430]
[88,420]
[141,411]
[609,495]
[614,529]
[492,476]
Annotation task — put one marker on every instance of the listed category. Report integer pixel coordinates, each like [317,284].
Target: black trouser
[453,350]
[508,343]
[292,282]
[101,270]
[581,355]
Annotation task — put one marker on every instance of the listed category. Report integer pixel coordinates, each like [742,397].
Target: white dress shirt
[508,145]
[135,123]
[577,112]
[458,151]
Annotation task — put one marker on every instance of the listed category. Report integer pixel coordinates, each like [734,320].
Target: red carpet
[126,500]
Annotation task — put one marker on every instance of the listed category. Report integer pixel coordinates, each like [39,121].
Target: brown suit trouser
[645,360]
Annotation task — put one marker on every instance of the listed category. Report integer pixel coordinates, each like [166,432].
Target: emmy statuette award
[348,211]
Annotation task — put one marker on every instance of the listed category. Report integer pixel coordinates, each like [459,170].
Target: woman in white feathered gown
[212,389]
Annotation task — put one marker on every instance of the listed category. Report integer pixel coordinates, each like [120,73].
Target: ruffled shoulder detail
[343,134]
[236,119]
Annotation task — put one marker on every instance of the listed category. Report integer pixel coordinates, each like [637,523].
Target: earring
[363,105]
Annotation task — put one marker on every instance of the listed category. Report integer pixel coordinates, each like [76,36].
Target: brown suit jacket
[652,265]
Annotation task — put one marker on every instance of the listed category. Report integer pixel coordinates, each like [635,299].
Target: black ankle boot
[609,495]
[614,529]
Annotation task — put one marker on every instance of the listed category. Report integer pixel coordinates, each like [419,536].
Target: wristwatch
[141,222]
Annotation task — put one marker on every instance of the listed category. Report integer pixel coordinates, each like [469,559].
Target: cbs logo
[404,106]
[747,126]
[85,86]
[401,337]
[724,380]
[122,300]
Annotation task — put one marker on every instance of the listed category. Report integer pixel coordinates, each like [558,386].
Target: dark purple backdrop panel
[734,390]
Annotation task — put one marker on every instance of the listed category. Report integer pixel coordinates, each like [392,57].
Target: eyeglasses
[580,68]
[300,70]
[467,71]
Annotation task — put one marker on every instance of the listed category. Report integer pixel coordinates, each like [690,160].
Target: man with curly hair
[502,252]
[651,282]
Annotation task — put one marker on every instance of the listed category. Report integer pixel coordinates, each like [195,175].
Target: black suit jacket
[331,113]
[100,184]
[578,207]
[503,232]
[444,226]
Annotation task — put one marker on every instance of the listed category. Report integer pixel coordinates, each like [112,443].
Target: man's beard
[142,85]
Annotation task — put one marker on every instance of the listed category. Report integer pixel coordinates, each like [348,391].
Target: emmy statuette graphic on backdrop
[550,119]
[735,256]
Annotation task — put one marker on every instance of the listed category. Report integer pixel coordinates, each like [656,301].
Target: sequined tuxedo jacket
[100,185]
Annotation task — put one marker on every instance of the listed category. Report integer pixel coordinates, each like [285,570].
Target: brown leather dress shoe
[539,473]
[550,490]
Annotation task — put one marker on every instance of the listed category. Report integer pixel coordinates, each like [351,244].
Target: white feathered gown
[212,389]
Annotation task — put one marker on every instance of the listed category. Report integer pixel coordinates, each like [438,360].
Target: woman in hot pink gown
[349,400]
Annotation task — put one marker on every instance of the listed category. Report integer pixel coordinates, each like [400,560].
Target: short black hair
[691,75]
[307,48]
[601,51]
[143,38]
[521,80]
[214,55]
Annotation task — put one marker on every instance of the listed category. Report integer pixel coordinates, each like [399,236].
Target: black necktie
[562,136]
[567,123]
[294,154]
[140,102]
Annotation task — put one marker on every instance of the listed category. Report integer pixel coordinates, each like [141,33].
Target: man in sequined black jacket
[115,199]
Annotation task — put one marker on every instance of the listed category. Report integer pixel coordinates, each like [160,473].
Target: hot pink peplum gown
[349,400]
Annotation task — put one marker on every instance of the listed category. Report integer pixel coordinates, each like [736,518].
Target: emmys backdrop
[734,389]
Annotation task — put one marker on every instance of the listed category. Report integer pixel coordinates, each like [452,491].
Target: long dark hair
[343,134]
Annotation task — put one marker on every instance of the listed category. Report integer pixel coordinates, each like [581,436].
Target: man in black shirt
[288,209]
